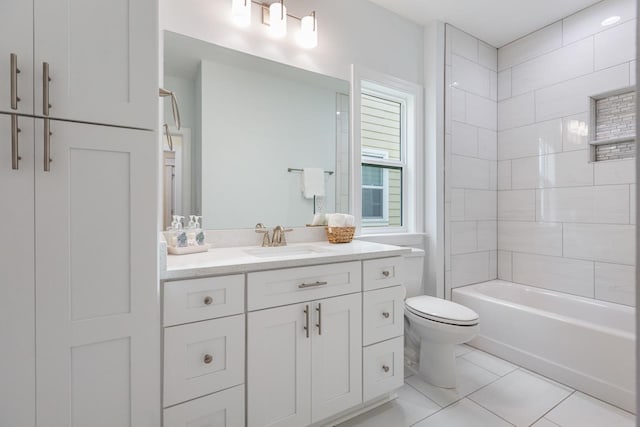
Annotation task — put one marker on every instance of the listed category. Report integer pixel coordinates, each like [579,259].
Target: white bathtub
[586,344]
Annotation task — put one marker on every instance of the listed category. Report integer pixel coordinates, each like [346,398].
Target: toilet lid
[441,310]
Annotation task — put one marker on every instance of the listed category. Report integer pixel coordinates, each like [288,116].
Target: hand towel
[340,220]
[313,182]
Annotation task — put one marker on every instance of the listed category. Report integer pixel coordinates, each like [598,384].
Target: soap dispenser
[198,230]
[179,233]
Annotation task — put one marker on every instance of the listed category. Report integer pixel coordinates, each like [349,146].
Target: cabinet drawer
[382,273]
[222,409]
[383,314]
[383,368]
[201,299]
[289,286]
[202,358]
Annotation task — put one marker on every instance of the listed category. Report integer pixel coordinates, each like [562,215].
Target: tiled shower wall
[471,160]
[564,223]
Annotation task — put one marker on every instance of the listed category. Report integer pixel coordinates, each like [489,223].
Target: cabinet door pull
[319,324]
[208,300]
[46,79]
[385,368]
[311,285]
[47,145]
[208,359]
[15,130]
[386,273]
[385,314]
[14,81]
[306,319]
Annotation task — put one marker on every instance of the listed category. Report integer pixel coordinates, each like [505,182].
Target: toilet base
[438,364]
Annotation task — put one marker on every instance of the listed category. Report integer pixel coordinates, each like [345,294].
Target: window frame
[410,96]
[381,155]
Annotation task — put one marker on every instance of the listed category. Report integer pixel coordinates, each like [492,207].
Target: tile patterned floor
[492,393]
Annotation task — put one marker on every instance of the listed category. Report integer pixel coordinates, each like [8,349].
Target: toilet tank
[414,269]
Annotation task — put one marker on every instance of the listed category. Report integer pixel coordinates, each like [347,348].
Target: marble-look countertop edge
[258,264]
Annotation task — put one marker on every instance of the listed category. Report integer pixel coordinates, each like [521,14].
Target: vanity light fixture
[308,35]
[275,16]
[278,19]
[241,12]
[610,21]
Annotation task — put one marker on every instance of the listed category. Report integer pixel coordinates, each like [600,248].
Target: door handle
[46,80]
[311,285]
[15,130]
[14,81]
[306,318]
[319,324]
[47,145]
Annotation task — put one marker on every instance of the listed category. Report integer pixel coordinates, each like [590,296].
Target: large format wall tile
[555,273]
[568,169]
[532,237]
[516,111]
[615,172]
[600,242]
[530,140]
[535,44]
[588,21]
[557,66]
[464,237]
[572,96]
[623,38]
[480,205]
[467,172]
[471,77]
[517,205]
[604,204]
[470,268]
[615,283]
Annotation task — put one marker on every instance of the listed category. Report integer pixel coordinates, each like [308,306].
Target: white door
[279,367]
[336,357]
[17,348]
[97,322]
[102,60]
[16,37]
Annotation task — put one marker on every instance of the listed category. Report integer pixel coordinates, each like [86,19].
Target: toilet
[433,327]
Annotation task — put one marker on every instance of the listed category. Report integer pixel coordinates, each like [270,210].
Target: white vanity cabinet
[322,341]
[304,362]
[101,58]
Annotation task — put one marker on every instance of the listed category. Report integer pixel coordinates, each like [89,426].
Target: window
[383,159]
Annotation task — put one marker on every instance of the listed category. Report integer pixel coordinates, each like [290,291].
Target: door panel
[102,60]
[278,367]
[96,287]
[17,282]
[16,36]
[336,359]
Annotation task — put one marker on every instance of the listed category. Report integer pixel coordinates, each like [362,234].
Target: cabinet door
[279,367]
[16,36]
[17,345]
[102,58]
[97,323]
[336,357]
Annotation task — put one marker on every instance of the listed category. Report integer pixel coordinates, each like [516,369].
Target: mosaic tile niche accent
[616,118]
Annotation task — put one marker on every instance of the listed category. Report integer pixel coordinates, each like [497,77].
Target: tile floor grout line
[554,407]
[516,367]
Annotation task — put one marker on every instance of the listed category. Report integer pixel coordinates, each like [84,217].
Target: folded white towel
[313,182]
[319,219]
[340,220]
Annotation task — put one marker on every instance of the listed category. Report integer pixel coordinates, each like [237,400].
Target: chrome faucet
[279,238]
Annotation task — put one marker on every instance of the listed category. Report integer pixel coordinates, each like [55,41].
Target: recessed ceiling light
[610,21]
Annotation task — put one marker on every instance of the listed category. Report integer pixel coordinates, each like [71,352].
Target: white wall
[564,223]
[255,125]
[353,31]
[470,160]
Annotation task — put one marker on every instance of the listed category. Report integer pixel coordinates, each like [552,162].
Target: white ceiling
[496,22]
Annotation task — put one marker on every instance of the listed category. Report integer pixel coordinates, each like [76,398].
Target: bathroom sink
[280,251]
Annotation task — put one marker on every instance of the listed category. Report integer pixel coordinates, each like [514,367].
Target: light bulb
[278,20]
[241,12]
[308,35]
[610,21]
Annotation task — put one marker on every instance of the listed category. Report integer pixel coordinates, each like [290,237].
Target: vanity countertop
[251,258]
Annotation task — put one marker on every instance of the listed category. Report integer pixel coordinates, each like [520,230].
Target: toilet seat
[441,310]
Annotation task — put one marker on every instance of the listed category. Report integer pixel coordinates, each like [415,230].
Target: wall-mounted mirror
[248,124]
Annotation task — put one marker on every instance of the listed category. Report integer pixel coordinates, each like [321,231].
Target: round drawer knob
[385,315]
[208,301]
[208,358]
[385,368]
[386,273]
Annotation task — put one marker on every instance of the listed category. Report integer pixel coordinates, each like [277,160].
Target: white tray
[175,250]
